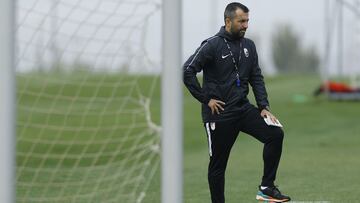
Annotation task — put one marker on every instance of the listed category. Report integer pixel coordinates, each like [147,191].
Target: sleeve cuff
[206,99]
[266,107]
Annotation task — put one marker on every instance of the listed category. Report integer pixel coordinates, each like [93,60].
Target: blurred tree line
[290,56]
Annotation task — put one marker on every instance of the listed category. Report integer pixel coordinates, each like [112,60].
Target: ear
[227,21]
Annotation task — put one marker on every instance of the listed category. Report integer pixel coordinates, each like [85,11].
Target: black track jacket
[219,76]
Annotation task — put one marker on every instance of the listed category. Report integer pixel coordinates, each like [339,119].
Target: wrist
[267,108]
[206,99]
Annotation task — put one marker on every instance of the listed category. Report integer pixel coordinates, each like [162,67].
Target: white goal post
[7,102]
[171,104]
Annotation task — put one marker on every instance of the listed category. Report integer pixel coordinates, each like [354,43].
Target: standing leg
[272,137]
[221,137]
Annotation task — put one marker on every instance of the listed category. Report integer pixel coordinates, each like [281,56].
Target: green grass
[319,162]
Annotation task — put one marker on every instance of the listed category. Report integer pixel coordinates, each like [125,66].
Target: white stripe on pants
[209,138]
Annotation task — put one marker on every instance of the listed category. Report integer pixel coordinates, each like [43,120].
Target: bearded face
[239,24]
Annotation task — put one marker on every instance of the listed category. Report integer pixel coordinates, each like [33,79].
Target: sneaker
[271,194]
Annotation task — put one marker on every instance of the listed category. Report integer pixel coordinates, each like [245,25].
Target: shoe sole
[269,199]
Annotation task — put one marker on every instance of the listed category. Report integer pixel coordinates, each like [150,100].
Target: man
[229,63]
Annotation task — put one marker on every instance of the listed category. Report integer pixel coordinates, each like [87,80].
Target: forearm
[260,93]
[192,84]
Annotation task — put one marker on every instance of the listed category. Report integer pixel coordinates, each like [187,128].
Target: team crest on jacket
[246,52]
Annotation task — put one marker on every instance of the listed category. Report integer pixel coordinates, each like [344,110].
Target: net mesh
[86,101]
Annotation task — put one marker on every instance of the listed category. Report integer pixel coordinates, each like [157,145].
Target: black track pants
[221,137]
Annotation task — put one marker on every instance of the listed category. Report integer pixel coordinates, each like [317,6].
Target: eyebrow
[243,20]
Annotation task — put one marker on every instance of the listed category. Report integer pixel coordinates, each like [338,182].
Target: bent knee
[280,133]
[276,134]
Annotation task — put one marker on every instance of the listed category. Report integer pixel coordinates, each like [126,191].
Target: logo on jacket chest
[225,56]
[246,52]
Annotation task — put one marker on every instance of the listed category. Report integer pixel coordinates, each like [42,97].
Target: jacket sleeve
[196,63]
[257,83]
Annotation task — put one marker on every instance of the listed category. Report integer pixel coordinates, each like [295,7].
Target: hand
[215,105]
[265,113]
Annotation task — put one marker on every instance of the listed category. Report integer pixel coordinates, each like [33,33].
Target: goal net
[87,99]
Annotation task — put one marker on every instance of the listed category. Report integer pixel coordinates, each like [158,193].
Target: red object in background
[335,87]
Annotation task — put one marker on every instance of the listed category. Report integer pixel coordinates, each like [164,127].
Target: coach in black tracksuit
[230,63]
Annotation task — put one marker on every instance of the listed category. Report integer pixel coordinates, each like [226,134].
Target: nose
[246,25]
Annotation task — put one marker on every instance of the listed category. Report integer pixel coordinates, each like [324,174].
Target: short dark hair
[232,7]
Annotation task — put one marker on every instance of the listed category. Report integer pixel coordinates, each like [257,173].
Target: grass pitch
[320,160]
